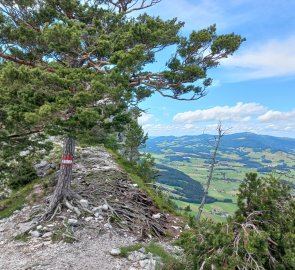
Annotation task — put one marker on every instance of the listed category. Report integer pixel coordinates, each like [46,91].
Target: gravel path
[91,252]
[86,254]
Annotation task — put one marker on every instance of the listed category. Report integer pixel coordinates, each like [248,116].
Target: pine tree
[68,65]
[135,139]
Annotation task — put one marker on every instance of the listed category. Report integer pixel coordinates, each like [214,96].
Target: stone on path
[115,252]
[35,234]
[84,203]
[72,221]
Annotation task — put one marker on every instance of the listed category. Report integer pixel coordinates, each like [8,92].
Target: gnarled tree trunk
[62,190]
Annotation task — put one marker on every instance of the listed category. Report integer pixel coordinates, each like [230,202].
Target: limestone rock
[97,209]
[35,234]
[47,235]
[149,264]
[88,219]
[136,256]
[43,168]
[157,215]
[3,220]
[142,250]
[187,227]
[98,216]
[115,252]
[72,221]
[108,226]
[84,203]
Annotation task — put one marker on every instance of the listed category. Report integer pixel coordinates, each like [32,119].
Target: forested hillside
[181,186]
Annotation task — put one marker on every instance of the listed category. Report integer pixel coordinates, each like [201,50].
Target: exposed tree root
[58,208]
[128,207]
[71,207]
[131,208]
[55,205]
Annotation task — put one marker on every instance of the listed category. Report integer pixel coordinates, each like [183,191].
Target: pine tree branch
[15,60]
[31,132]
[157,82]
[23,62]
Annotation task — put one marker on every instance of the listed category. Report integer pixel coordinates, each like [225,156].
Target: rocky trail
[113,213]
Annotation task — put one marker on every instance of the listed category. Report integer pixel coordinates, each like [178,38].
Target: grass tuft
[16,200]
[24,237]
[128,249]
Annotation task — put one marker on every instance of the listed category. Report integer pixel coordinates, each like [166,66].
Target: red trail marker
[67,160]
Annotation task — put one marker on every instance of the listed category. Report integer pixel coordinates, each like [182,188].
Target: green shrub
[261,235]
[22,175]
[16,200]
[187,208]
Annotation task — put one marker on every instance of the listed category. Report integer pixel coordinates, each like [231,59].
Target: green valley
[183,167]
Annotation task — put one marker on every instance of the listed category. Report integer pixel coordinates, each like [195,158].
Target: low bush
[261,234]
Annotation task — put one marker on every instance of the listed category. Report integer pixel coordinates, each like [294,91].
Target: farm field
[183,164]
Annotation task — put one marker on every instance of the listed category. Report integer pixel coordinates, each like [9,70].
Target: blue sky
[254,90]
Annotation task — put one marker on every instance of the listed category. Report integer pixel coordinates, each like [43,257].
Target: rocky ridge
[114,213]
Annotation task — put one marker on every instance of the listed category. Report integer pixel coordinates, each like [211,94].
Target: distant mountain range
[229,142]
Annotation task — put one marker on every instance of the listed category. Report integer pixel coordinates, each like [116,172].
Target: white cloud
[144,118]
[239,112]
[177,129]
[273,116]
[272,59]
[188,126]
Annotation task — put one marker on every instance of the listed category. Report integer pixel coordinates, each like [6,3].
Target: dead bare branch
[129,6]
[220,133]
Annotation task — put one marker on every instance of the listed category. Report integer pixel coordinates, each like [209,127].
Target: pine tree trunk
[62,189]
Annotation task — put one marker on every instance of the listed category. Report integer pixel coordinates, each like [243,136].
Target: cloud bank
[242,117]
[241,111]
